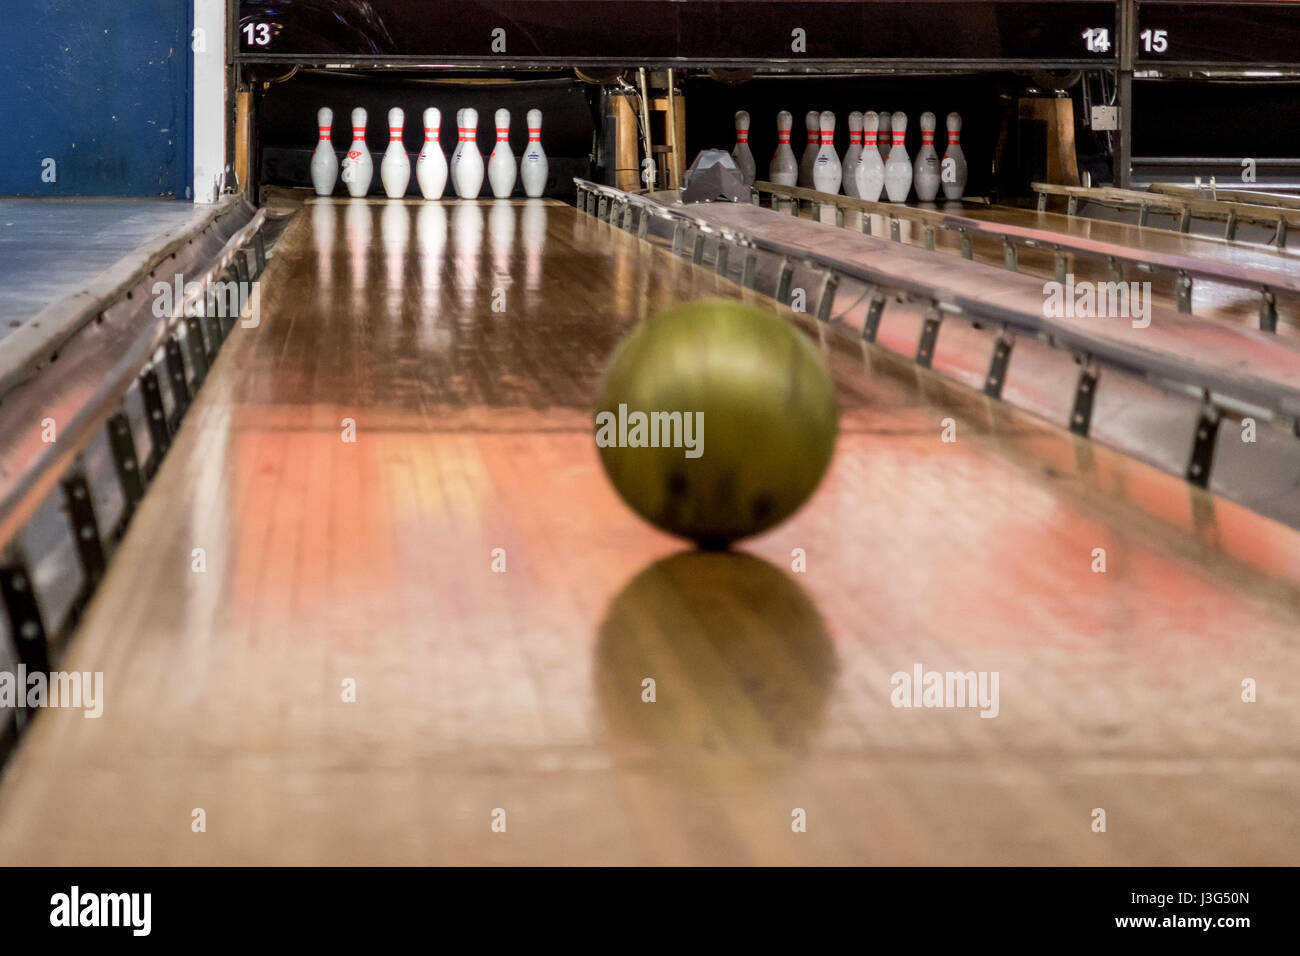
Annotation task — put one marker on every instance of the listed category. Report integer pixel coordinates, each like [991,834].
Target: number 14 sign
[1097,39]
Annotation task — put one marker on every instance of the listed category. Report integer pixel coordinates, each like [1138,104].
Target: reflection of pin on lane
[395,227]
[467,241]
[431,240]
[533,232]
[357,231]
[501,235]
[323,216]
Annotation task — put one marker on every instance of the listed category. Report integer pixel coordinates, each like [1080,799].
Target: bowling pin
[953,169]
[871,168]
[501,164]
[828,173]
[460,147]
[810,151]
[468,178]
[898,168]
[358,168]
[534,168]
[853,154]
[741,154]
[884,143]
[395,167]
[784,169]
[431,165]
[925,171]
[324,164]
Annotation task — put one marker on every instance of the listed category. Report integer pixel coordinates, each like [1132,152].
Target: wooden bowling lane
[332,567]
[1251,255]
[1236,304]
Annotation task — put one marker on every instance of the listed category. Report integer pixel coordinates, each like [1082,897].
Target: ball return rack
[1278,221]
[1182,270]
[1217,371]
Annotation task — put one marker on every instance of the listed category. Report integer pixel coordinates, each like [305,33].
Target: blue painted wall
[101,88]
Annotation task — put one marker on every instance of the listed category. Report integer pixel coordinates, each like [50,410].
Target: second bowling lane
[1208,298]
[1231,303]
[464,572]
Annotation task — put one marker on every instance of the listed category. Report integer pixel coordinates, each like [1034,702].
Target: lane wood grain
[371,562]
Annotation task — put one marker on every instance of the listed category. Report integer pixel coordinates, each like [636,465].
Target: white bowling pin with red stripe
[741,154]
[853,154]
[953,169]
[533,168]
[431,164]
[898,168]
[828,174]
[460,147]
[358,168]
[810,151]
[395,167]
[870,174]
[501,164]
[883,143]
[468,178]
[784,168]
[925,171]
[324,164]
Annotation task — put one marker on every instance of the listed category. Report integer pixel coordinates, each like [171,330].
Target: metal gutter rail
[1182,270]
[1222,390]
[160,352]
[1279,219]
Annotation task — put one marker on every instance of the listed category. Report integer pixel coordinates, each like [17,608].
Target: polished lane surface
[388,645]
[1236,304]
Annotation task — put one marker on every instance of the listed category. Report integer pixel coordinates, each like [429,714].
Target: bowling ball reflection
[740,657]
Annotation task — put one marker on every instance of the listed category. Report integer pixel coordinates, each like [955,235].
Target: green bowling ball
[715,420]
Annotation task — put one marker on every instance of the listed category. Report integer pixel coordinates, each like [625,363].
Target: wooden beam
[1058,114]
